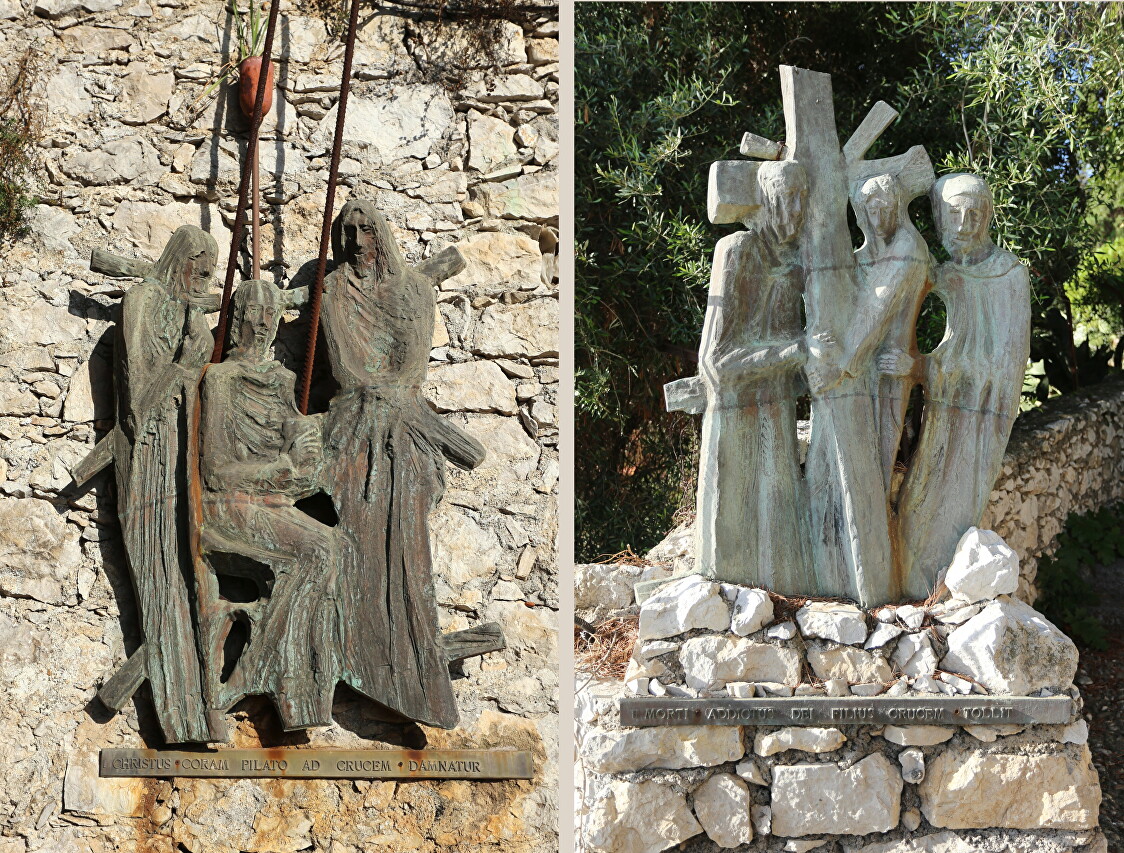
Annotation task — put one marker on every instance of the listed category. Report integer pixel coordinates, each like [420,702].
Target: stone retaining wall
[131,149]
[903,788]
[1067,456]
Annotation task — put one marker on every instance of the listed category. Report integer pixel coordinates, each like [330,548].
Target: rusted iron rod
[329,206]
[248,165]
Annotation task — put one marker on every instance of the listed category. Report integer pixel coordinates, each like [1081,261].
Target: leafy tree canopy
[1026,94]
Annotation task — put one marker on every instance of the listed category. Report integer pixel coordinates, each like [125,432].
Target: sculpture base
[745,720]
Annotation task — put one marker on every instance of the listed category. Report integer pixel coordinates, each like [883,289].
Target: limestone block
[495,261]
[404,123]
[491,143]
[527,329]
[829,620]
[15,399]
[83,790]
[805,739]
[796,845]
[601,588]
[1010,648]
[89,395]
[505,89]
[129,159]
[914,655]
[66,93]
[462,550]
[145,93]
[533,197]
[722,807]
[882,634]
[472,386]
[512,455]
[983,567]
[942,842]
[990,734]
[753,610]
[912,761]
[973,789]
[667,747]
[54,226]
[918,735]
[710,662]
[637,817]
[808,799]
[684,605]
[39,552]
[751,772]
[847,662]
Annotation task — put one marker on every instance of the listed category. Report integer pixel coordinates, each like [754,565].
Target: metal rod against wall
[329,205]
[248,168]
[255,241]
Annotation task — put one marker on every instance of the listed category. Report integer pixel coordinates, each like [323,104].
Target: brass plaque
[854,710]
[321,763]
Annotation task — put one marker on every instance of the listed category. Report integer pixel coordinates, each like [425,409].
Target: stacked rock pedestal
[846,788]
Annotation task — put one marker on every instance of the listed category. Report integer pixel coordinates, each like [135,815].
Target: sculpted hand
[895,363]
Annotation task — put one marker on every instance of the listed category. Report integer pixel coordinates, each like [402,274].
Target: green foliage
[1096,539]
[19,131]
[1027,94]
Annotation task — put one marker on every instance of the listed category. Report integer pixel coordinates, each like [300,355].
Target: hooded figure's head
[187,263]
[362,238]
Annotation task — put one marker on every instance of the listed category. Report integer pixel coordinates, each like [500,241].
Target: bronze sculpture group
[240,591]
[857,521]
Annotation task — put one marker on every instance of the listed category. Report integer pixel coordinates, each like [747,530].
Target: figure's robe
[388,451]
[974,382]
[161,347]
[251,483]
[752,502]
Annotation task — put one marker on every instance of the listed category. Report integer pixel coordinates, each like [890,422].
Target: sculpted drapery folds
[259,456]
[973,381]
[388,450]
[243,587]
[840,527]
[163,341]
[751,503]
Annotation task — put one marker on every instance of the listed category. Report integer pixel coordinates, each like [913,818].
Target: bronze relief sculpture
[242,589]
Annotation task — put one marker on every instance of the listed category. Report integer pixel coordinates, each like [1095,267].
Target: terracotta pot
[248,74]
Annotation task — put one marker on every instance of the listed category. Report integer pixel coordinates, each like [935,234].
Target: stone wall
[908,787]
[1067,456]
[131,149]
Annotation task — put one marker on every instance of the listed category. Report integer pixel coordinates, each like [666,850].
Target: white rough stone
[914,655]
[1076,732]
[404,123]
[722,807]
[496,261]
[67,95]
[712,661]
[974,789]
[462,548]
[753,610]
[39,552]
[829,620]
[983,568]
[912,761]
[1010,648]
[684,605]
[959,615]
[881,635]
[527,329]
[741,689]
[873,688]
[810,799]
[84,790]
[637,817]
[910,615]
[805,739]
[918,735]
[666,747]
[128,159]
[911,819]
[960,685]
[472,386]
[533,197]
[601,588]
[846,662]
[796,845]
[783,631]
[751,772]
[145,92]
[491,143]
[989,734]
